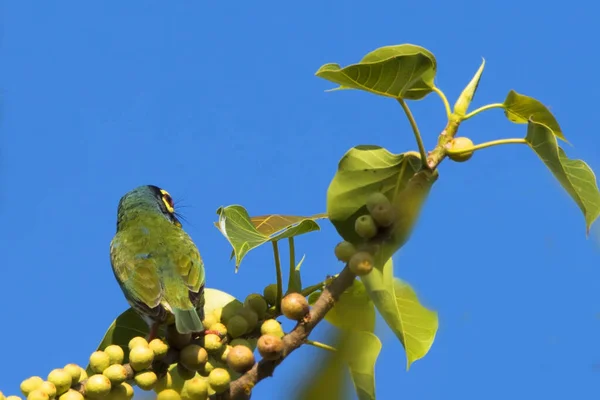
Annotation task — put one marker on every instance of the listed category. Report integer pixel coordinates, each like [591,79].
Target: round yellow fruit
[195,389]
[219,379]
[213,343]
[140,358]
[38,394]
[295,306]
[220,328]
[159,348]
[97,386]
[361,263]
[75,371]
[115,354]
[48,388]
[271,327]
[461,143]
[164,382]
[71,395]
[99,361]
[31,384]
[168,394]
[116,374]
[61,379]
[145,380]
[120,392]
[137,341]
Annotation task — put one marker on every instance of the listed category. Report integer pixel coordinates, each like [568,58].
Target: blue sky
[218,104]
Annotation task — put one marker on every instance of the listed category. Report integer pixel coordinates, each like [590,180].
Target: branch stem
[320,345]
[279,275]
[481,109]
[415,129]
[484,145]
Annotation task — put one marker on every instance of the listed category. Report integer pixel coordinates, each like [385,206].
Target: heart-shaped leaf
[520,109]
[575,176]
[364,170]
[396,301]
[400,71]
[129,324]
[354,310]
[245,233]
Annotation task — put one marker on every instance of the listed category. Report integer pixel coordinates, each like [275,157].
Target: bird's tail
[187,321]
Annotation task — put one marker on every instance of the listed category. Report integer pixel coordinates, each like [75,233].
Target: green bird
[156,263]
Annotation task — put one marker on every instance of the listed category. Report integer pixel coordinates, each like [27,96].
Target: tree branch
[242,387]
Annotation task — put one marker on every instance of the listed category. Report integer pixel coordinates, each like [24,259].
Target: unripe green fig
[48,388]
[137,341]
[38,394]
[176,339]
[270,294]
[295,306]
[70,395]
[230,310]
[212,343]
[240,359]
[75,371]
[193,357]
[251,318]
[115,354]
[270,347]
[61,379]
[31,384]
[344,250]
[116,374]
[168,394]
[220,328]
[185,373]
[145,380]
[365,227]
[99,361]
[219,379]
[97,386]
[271,327]
[381,209]
[461,143]
[195,389]
[159,348]
[361,263]
[237,326]
[257,303]
[140,358]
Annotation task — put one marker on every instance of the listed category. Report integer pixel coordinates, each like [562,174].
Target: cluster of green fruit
[203,369]
[379,220]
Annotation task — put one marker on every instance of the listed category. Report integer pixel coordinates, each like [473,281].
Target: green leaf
[400,71]
[396,301]
[520,109]
[129,324]
[367,169]
[295,281]
[245,233]
[353,311]
[464,100]
[575,176]
[364,348]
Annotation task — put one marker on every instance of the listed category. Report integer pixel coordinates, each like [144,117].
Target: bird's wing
[189,264]
[136,271]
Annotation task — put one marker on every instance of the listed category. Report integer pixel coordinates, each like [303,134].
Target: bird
[156,263]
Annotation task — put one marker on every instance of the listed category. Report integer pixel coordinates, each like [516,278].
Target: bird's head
[144,199]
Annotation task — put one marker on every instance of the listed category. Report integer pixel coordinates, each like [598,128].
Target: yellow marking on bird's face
[168,201]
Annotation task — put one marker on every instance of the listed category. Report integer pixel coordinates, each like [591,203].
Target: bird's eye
[168,201]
